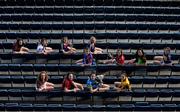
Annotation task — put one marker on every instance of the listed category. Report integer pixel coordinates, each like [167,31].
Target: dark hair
[119,50]
[16,46]
[92,74]
[66,77]
[127,73]
[46,76]
[42,40]
[143,57]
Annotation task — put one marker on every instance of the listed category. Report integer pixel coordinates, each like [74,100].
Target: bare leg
[97,52]
[79,61]
[110,61]
[69,52]
[98,49]
[73,49]
[80,86]
[49,84]
[48,50]
[104,87]
[49,88]
[159,58]
[117,84]
[24,49]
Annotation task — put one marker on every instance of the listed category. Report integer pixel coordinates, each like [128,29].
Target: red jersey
[120,59]
[68,84]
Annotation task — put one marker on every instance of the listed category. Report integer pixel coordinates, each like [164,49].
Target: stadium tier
[37,35]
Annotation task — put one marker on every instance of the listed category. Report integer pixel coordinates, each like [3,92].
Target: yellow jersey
[125,83]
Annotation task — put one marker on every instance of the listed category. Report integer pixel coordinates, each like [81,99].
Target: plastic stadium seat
[13,26]
[56,79]
[98,107]
[17,79]
[165,95]
[28,93]
[5,79]
[30,79]
[39,67]
[68,107]
[2,107]
[82,79]
[26,107]
[142,106]
[156,107]
[84,107]
[52,67]
[12,106]
[6,17]
[174,79]
[35,26]
[4,68]
[152,92]
[113,107]
[3,94]
[136,79]
[14,67]
[27,67]
[15,93]
[40,107]
[125,107]
[110,79]
[139,93]
[54,107]
[149,80]
[169,107]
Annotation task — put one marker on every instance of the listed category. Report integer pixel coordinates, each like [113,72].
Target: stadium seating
[127,24]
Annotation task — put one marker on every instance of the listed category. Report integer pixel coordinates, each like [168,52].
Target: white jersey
[40,48]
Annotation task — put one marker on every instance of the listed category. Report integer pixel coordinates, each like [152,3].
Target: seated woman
[93,48]
[18,47]
[119,59]
[140,58]
[165,59]
[124,84]
[69,85]
[42,47]
[87,58]
[67,46]
[95,84]
[42,84]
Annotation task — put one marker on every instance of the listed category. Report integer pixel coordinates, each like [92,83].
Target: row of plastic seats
[60,58]
[74,67]
[88,26]
[14,58]
[88,3]
[30,95]
[89,17]
[141,93]
[101,40]
[137,106]
[94,9]
[87,35]
[57,79]
[103,45]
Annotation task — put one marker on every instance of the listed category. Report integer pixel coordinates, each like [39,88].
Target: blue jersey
[92,83]
[88,59]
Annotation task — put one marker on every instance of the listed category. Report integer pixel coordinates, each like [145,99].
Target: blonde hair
[92,39]
[64,38]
